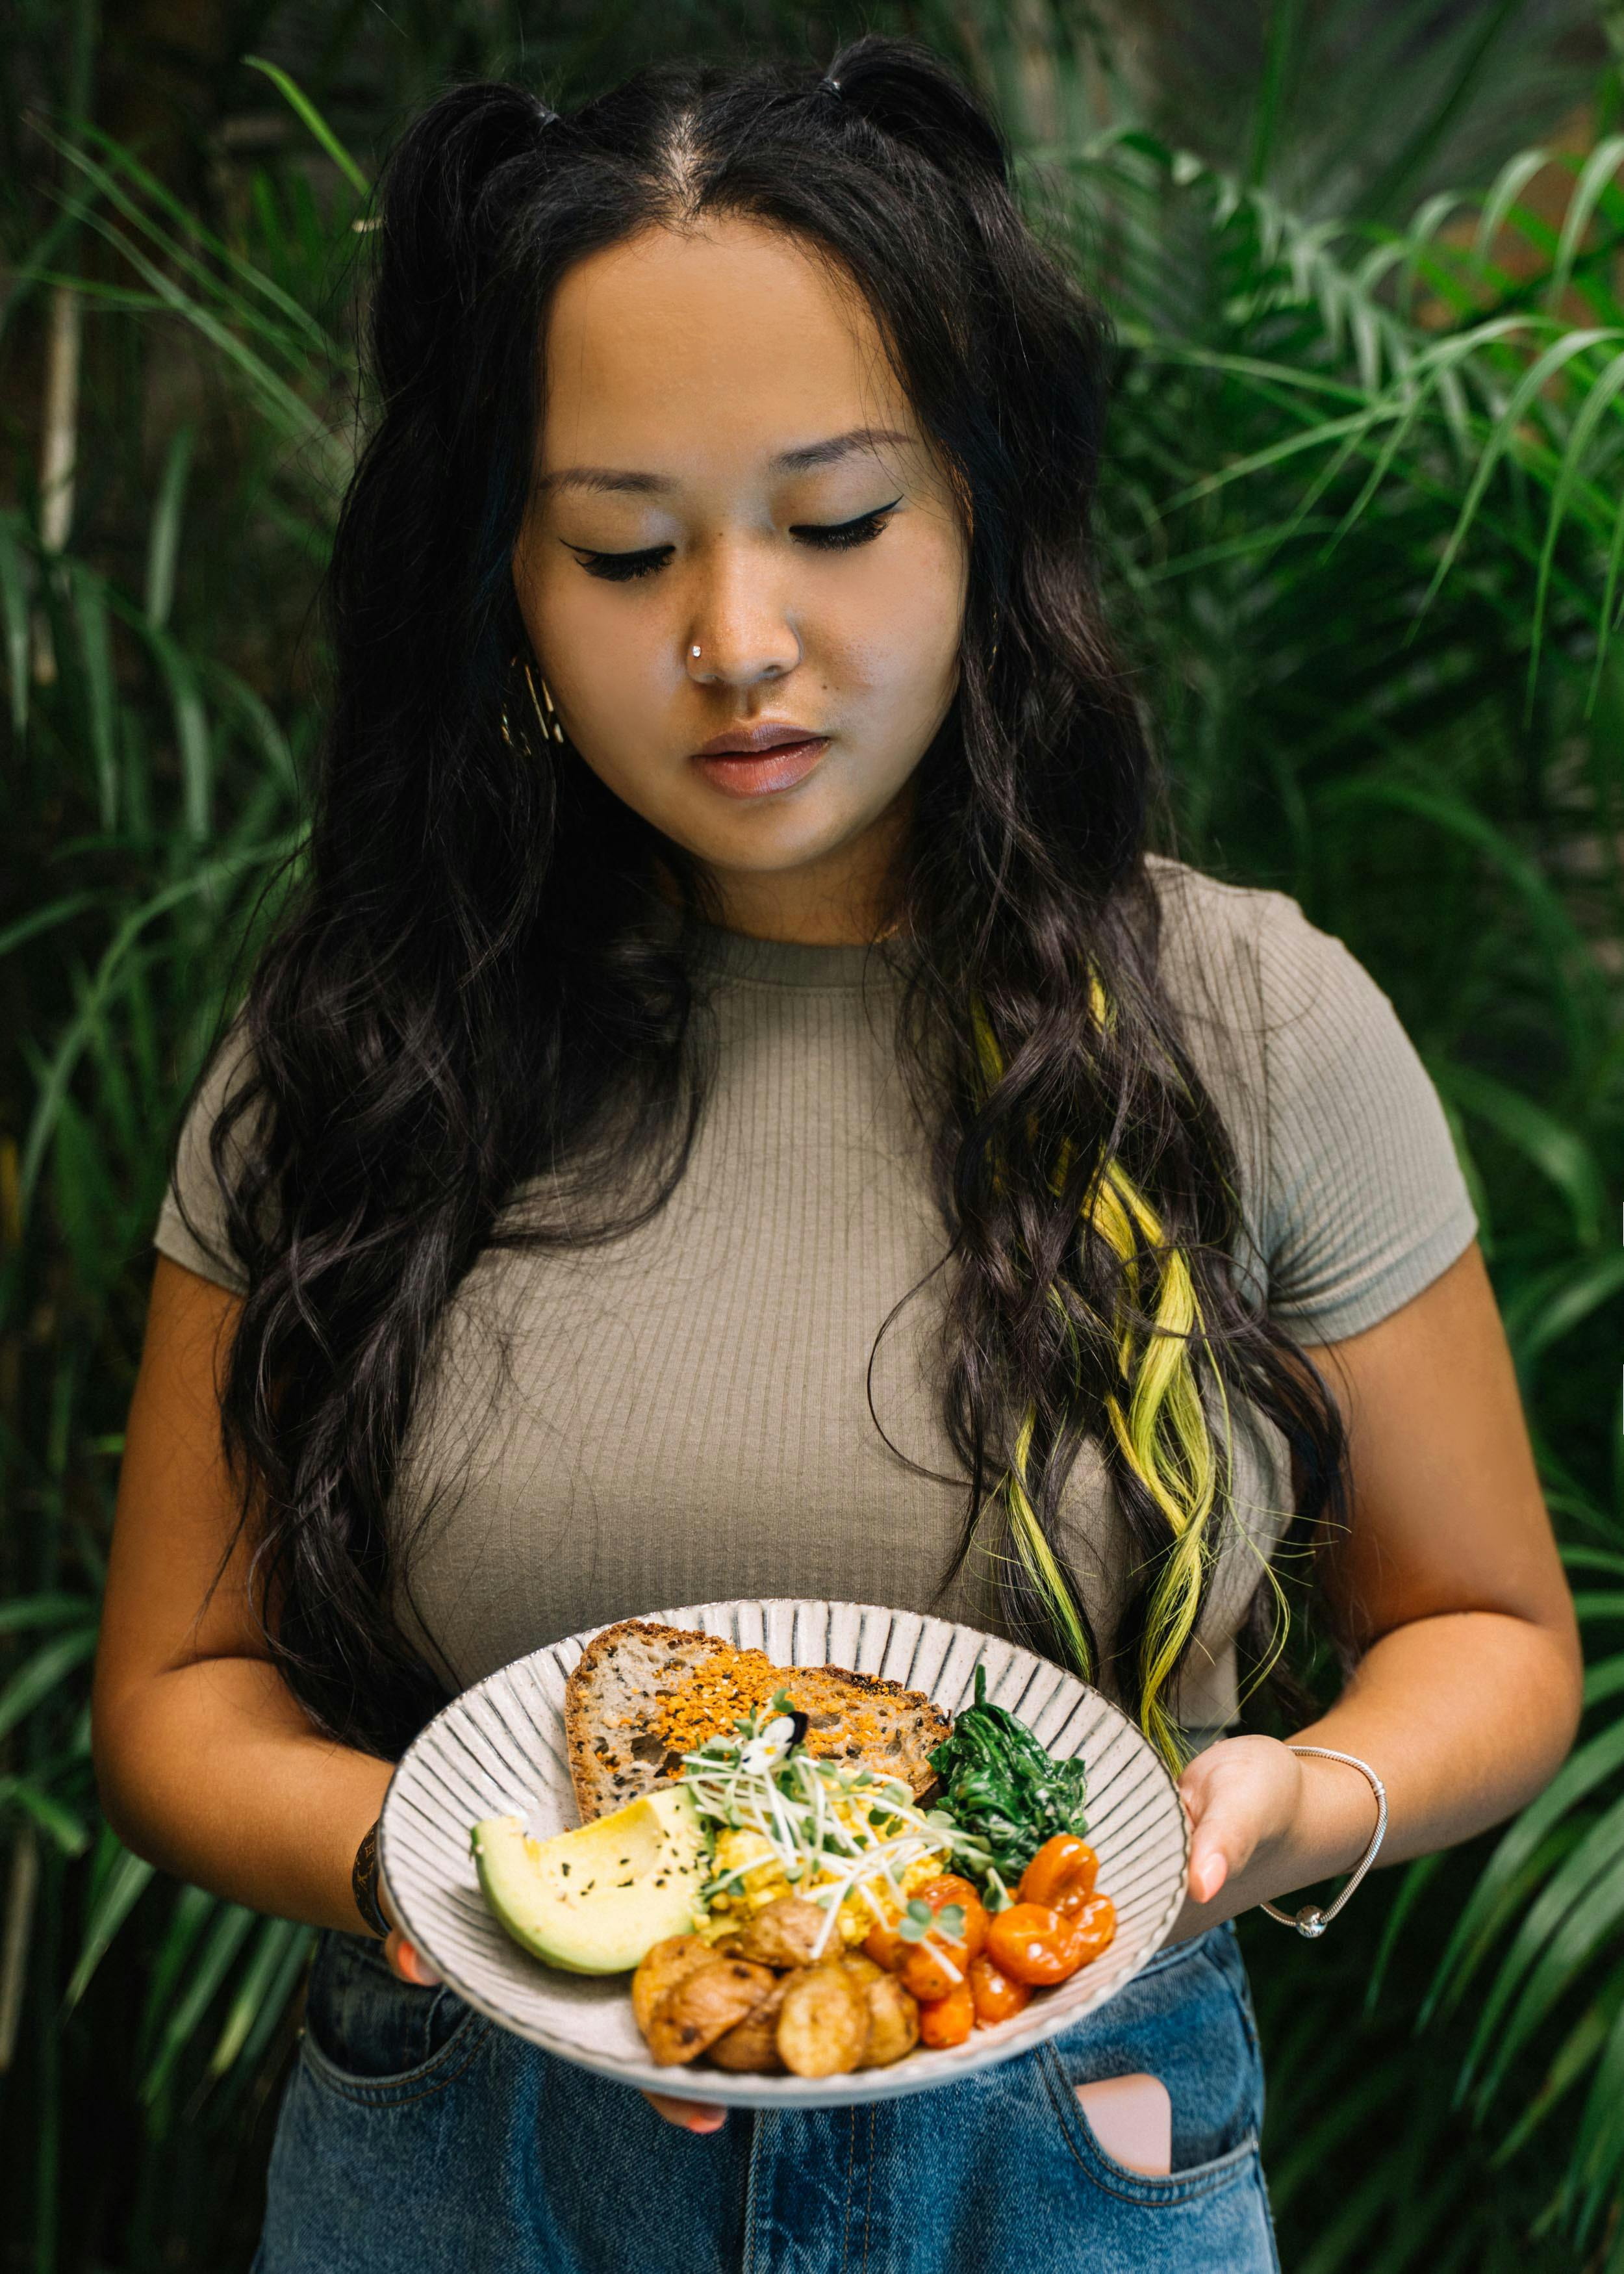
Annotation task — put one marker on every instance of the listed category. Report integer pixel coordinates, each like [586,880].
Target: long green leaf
[202,881]
[1419,1876]
[1597,171]
[1589,1765]
[220,1948]
[53,1817]
[300,103]
[1533,382]
[96,648]
[1580,1904]
[121,1889]
[1559,1152]
[16,583]
[1600,397]
[164,538]
[266,1967]
[1559,1302]
[54,1610]
[43,1675]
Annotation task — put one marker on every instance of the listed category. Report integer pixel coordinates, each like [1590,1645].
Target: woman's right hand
[406,1960]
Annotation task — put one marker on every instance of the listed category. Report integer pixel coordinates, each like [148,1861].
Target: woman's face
[726,463]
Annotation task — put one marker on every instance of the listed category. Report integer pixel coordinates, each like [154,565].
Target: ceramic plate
[498,1749]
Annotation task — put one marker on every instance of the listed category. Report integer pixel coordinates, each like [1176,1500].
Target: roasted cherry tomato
[997,1995]
[948,2021]
[1095,1923]
[1061,1875]
[950,1889]
[930,1965]
[933,1968]
[1035,1944]
[885,1945]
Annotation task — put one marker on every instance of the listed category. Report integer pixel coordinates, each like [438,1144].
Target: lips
[750,742]
[744,773]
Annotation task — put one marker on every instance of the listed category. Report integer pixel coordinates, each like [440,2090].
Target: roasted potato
[824,2021]
[893,2019]
[751,2046]
[860,1967]
[729,1946]
[784,1933]
[663,1966]
[705,2004]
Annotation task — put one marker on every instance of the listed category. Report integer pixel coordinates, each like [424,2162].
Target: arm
[1467,1697]
[205,1762]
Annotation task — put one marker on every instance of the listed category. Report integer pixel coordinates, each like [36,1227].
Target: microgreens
[828,1851]
[835,1830]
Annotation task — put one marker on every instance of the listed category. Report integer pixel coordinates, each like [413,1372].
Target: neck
[844,899]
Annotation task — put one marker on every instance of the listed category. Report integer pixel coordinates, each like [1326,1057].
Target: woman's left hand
[402,1957]
[1242,1797]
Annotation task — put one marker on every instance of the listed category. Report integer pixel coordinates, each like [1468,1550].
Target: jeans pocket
[1181,2020]
[1182,2184]
[376,2039]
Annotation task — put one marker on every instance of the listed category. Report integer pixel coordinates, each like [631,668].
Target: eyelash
[831,537]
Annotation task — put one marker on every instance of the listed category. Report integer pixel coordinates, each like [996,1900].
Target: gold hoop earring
[548,720]
[551,724]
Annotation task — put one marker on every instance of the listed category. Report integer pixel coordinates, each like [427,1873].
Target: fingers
[1209,1864]
[402,1955]
[688,2115]
[1209,1868]
[1242,1795]
[405,1959]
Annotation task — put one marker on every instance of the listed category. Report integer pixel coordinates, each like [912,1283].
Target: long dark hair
[472,987]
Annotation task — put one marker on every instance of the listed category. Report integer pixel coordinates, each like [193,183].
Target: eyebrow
[811,455]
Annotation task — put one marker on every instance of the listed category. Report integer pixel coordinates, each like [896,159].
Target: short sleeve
[1365,1201]
[202,1245]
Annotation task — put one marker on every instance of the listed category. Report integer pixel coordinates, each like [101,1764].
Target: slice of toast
[642,1695]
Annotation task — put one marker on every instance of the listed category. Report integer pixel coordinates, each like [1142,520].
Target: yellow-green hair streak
[1157,1418]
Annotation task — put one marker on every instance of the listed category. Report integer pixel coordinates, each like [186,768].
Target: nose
[740,632]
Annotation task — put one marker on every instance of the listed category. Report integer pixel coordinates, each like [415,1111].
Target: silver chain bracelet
[1311,1920]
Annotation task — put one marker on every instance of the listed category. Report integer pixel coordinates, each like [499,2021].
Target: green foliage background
[1363,518]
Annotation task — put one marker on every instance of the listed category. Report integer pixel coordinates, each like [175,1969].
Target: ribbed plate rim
[1040,2021]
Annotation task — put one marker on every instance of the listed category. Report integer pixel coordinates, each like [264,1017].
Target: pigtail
[449,196]
[451,368]
[902,90]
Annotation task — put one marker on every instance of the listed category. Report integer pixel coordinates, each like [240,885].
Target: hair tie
[829,84]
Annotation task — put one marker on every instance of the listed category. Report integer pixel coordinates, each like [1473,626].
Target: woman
[734,1109]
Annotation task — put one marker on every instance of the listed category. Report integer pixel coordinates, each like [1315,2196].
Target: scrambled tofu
[767,1879]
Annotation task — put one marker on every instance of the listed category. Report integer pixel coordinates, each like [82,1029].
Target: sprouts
[835,1830]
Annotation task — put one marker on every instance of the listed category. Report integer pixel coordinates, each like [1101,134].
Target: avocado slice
[595,1899]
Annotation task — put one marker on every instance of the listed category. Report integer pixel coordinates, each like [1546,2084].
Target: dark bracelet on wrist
[363,1881]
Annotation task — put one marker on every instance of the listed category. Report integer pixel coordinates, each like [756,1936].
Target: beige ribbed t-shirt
[684,1415]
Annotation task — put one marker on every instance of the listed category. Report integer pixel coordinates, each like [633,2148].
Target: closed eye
[826,536]
[835,537]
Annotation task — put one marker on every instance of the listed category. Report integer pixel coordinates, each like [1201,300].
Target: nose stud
[693,651]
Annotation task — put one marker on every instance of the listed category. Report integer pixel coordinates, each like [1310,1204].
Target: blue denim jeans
[416,2137]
